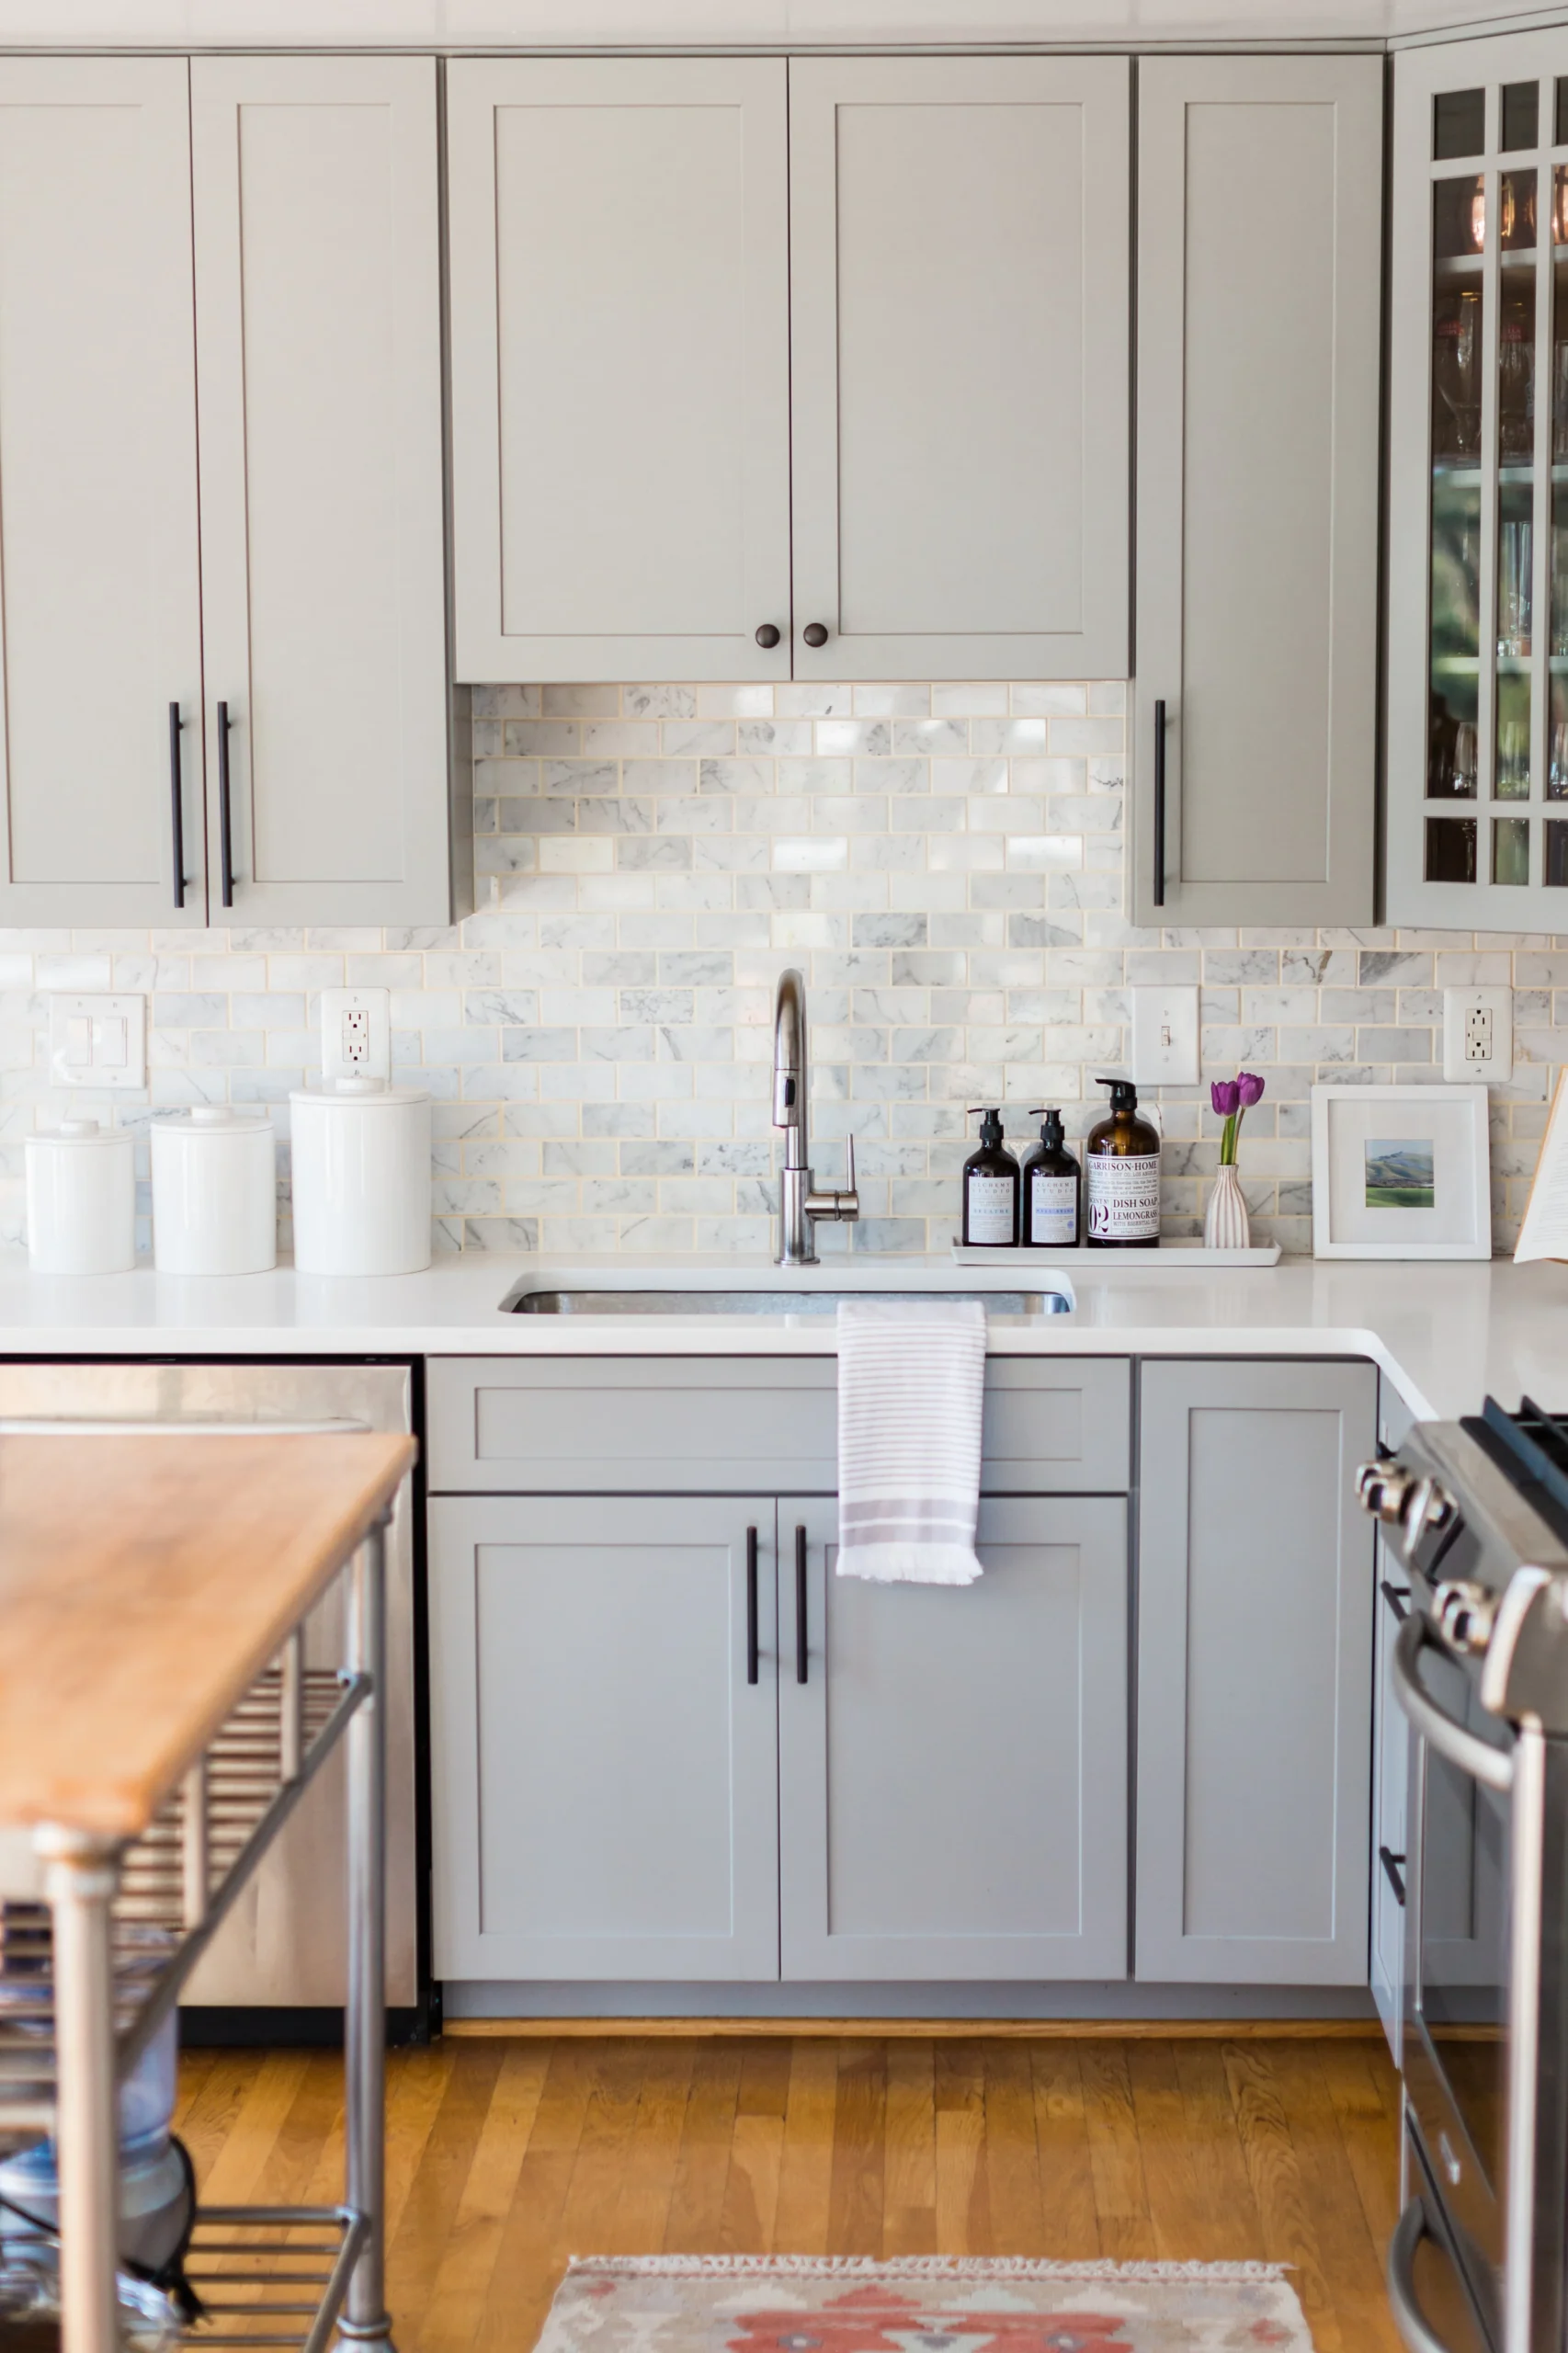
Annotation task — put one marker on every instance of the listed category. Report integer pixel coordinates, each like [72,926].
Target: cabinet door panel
[99,561]
[959,323]
[318,307]
[1254,1678]
[620,366]
[1259,202]
[603,1777]
[953,1771]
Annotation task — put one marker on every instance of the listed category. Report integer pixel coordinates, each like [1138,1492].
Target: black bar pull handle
[1398,1599]
[801,1660]
[1393,1866]
[176,806]
[225,811]
[751,1605]
[1159,804]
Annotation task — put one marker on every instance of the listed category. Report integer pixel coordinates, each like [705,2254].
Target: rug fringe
[923,2267]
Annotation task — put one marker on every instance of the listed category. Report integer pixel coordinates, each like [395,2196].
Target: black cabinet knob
[815,634]
[767,637]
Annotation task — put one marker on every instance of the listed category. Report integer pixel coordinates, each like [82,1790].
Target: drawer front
[742,1424]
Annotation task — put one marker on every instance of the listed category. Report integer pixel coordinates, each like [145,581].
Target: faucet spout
[800,1204]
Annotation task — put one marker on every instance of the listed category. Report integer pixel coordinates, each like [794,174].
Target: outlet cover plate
[1164,1037]
[355,1033]
[98,1042]
[1459,1066]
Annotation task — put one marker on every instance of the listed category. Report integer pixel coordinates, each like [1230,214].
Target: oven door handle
[1492,1767]
[1409,2318]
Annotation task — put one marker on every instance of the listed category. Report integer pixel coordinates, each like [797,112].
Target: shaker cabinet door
[100,639]
[318,312]
[960,349]
[1259,300]
[604,1776]
[621,367]
[953,1759]
[1254,1673]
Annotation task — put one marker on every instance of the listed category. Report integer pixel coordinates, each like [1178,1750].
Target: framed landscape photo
[1400,1172]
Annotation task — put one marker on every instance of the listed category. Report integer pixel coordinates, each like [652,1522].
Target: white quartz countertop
[1446,1334]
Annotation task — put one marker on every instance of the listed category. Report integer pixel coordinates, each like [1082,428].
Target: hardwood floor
[506,2156]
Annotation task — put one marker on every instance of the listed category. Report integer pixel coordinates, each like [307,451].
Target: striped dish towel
[911,1387]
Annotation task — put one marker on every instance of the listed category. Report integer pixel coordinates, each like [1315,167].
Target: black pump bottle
[990,1188]
[1051,1190]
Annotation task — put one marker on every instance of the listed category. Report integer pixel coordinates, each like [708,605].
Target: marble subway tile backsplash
[945,864]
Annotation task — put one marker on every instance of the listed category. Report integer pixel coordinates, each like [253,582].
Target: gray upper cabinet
[100,579]
[620,369]
[1478,528]
[1254,1673]
[959,337]
[1259,299]
[603,1775]
[953,1759]
[324,603]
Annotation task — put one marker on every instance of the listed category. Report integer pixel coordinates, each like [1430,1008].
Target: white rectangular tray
[1179,1256]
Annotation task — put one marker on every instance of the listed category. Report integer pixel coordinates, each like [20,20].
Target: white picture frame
[1400,1172]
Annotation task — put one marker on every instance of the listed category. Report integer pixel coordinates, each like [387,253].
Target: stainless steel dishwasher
[285,1947]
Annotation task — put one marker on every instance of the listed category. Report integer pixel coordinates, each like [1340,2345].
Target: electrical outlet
[1164,1037]
[98,1042]
[355,1033]
[1478,1035]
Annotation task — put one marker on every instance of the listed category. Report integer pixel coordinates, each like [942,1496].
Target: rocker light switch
[98,1042]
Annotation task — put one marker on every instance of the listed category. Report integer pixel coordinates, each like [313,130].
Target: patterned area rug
[929,2304]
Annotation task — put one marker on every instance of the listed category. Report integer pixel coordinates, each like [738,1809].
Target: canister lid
[79,1131]
[212,1120]
[358,1095]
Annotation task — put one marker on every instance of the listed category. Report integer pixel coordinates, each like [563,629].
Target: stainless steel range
[1478,1511]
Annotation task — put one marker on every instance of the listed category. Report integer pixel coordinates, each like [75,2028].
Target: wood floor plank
[530,2259]
[236,2173]
[859,2145]
[697,2202]
[1278,2190]
[1352,2254]
[1208,2120]
[468,2261]
[587,2216]
[1116,2161]
[805,2176]
[757,2155]
[414,2249]
[1012,2156]
[909,2162]
[1070,2222]
[648,2171]
[963,2222]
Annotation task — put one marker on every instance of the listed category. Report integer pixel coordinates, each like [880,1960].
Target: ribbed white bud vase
[1225,1223]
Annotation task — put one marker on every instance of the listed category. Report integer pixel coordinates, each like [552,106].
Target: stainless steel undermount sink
[522,1300]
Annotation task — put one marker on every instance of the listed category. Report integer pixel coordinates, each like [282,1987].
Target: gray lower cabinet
[953,1759]
[604,1776]
[1254,1673]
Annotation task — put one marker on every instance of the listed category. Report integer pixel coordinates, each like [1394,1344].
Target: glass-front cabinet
[1478,507]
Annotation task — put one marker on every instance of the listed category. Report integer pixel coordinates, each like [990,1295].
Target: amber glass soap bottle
[1121,1170]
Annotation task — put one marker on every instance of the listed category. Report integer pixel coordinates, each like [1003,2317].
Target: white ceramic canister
[361,1180]
[214,1192]
[81,1198]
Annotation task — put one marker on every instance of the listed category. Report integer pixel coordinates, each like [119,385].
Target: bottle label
[1053,1208]
[991,1208]
[1124,1197]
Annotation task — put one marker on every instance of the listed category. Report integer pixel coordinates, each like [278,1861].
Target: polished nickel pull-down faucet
[798,1205]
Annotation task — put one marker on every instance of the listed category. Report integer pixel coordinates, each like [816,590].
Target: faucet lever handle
[849,1164]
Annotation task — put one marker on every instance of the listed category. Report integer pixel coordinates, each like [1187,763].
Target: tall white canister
[214,1192]
[361,1183]
[81,1198]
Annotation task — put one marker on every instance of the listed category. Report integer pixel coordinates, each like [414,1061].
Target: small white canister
[361,1178]
[81,1198]
[214,1192]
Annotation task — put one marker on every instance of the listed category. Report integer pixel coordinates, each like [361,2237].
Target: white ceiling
[644,24]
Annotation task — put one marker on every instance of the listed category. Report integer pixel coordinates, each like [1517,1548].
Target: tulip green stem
[1228,1137]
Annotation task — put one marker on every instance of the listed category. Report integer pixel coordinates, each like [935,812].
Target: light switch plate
[355,1033]
[98,1042]
[1164,1037]
[1478,1036]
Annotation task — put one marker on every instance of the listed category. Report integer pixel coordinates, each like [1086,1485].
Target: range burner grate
[1532,1446]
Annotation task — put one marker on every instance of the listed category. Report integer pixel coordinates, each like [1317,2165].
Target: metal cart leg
[364,2317]
[80,1879]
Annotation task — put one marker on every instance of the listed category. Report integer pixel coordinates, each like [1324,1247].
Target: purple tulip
[1225,1095]
[1249,1088]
